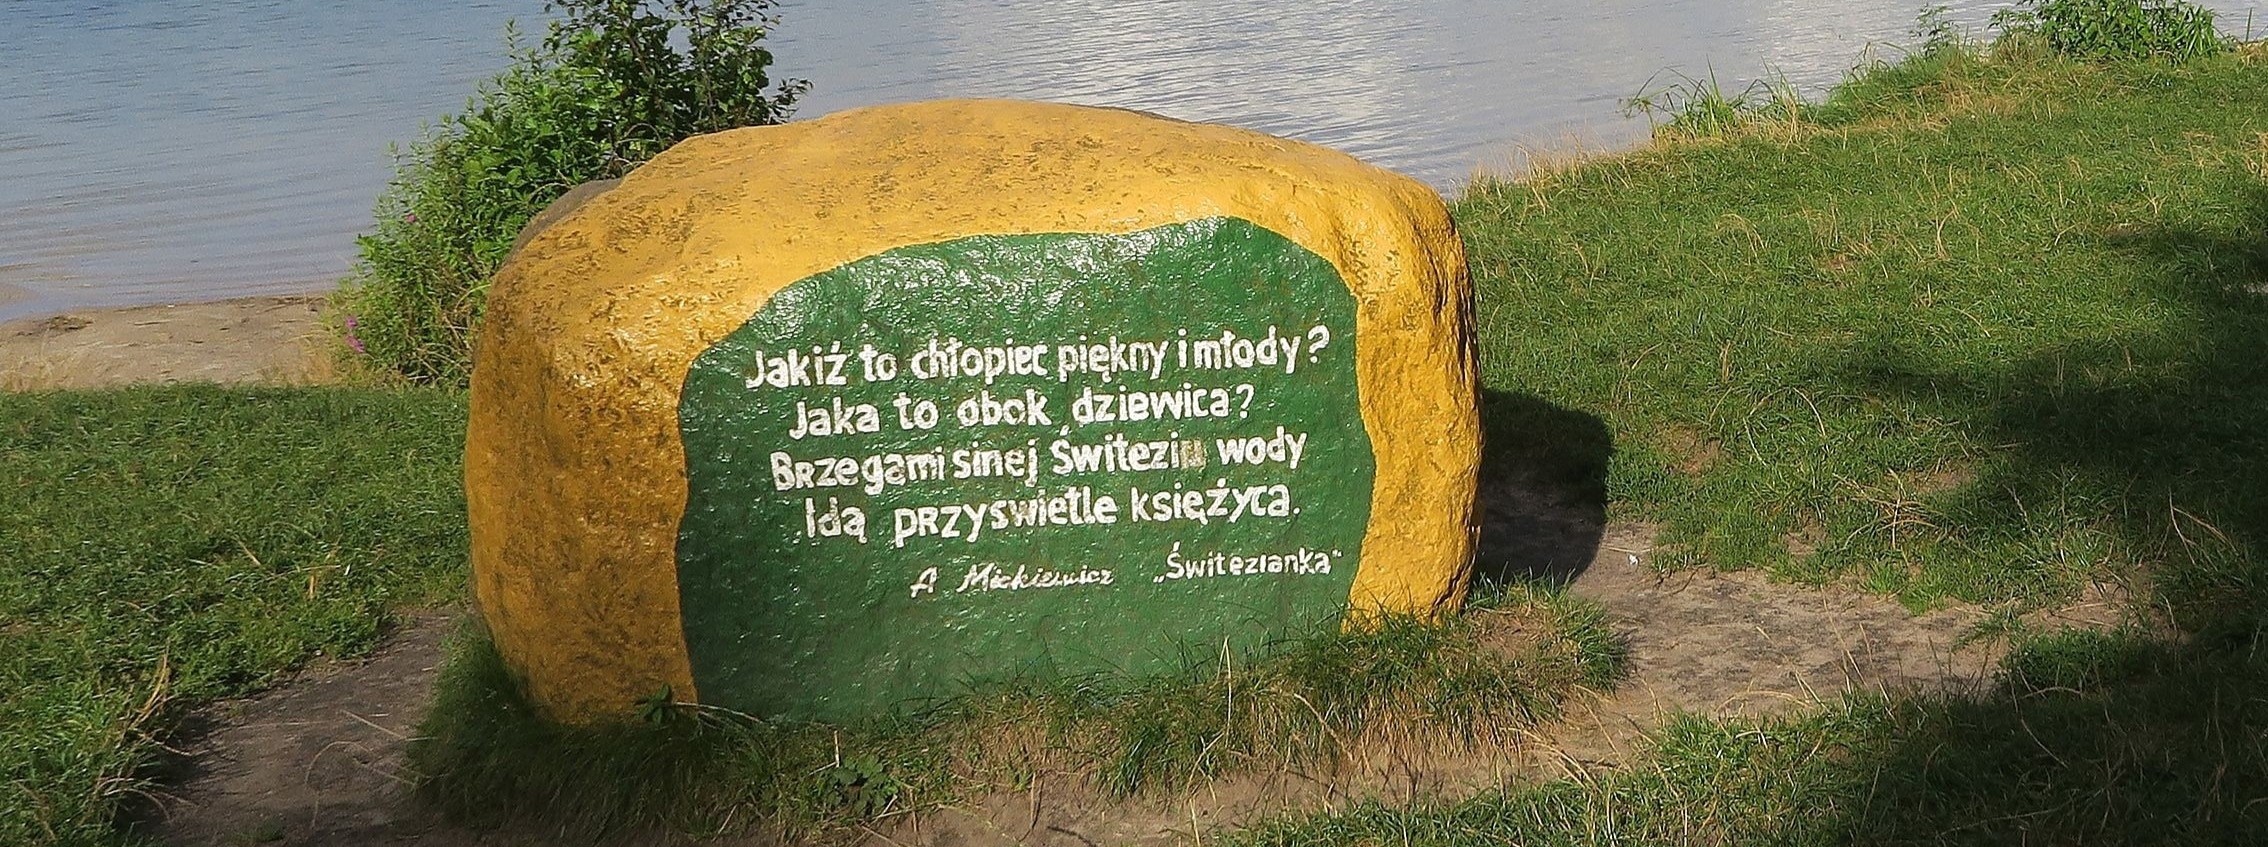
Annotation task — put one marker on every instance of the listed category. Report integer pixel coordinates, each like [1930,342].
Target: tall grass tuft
[1690,107]
[612,83]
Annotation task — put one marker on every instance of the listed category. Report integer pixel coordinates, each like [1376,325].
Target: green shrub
[613,83]
[2114,30]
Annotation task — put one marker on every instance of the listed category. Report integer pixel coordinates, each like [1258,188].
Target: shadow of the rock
[1542,489]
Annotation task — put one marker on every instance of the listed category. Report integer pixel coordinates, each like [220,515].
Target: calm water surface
[203,149]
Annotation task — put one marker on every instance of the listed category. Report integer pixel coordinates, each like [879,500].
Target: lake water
[203,149]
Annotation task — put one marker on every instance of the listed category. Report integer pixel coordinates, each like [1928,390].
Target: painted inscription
[1051,454]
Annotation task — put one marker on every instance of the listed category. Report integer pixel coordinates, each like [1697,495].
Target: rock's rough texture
[819,419]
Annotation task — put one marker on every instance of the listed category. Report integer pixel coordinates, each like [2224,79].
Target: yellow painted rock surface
[818,419]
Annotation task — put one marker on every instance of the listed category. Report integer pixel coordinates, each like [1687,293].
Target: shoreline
[275,340]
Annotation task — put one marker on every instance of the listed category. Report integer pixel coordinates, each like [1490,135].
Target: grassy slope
[1998,329]
[1990,355]
[165,547]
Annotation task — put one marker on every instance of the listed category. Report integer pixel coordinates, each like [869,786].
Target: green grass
[1985,325]
[1991,335]
[165,547]
[1507,664]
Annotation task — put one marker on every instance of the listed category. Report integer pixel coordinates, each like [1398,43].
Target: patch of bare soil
[316,761]
[320,761]
[1739,644]
[260,339]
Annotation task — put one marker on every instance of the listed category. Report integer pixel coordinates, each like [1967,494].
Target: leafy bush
[2112,30]
[613,83]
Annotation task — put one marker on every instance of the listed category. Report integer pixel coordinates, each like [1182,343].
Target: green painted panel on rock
[1015,455]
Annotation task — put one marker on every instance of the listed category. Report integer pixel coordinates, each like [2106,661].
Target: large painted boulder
[821,420]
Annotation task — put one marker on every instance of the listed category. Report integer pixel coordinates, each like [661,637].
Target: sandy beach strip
[273,340]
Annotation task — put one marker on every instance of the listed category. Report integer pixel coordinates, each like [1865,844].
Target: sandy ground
[261,339]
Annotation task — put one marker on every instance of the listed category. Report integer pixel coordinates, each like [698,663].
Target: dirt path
[260,339]
[318,761]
